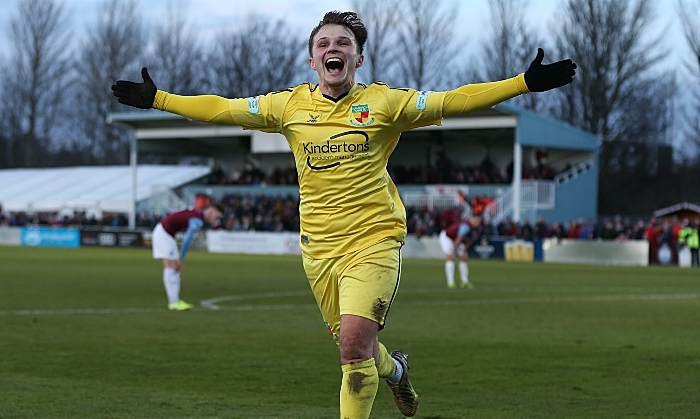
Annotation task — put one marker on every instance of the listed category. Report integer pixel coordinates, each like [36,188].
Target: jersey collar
[352,90]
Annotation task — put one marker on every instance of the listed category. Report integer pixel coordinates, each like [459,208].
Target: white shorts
[448,245]
[164,245]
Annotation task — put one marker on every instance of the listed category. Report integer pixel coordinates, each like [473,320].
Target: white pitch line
[212,302]
[576,299]
[79,311]
[271,307]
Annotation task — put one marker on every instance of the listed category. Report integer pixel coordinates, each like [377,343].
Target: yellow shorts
[362,283]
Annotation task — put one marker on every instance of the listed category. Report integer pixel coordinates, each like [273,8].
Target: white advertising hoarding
[253,242]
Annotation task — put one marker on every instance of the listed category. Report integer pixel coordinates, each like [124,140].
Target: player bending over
[455,241]
[164,246]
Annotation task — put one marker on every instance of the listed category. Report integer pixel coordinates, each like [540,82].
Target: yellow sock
[386,365]
[359,387]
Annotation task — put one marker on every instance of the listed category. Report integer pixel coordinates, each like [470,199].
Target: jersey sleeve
[193,225]
[263,113]
[413,109]
[475,97]
[464,230]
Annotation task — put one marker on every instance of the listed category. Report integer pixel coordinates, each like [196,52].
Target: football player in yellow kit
[353,222]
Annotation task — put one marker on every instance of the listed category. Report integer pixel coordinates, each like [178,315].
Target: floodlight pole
[133,163]
[517,175]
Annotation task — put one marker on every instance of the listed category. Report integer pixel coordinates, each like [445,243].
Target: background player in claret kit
[353,222]
[455,241]
[164,246]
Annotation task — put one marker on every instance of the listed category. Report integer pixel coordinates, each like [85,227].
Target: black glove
[540,78]
[139,95]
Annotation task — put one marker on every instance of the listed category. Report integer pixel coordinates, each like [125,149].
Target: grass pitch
[84,333]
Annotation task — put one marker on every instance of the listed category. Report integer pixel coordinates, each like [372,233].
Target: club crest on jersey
[360,115]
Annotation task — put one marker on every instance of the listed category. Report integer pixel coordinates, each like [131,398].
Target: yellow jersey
[341,147]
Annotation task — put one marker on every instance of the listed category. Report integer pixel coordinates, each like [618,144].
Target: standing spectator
[558,231]
[676,230]
[608,231]
[666,252]
[651,233]
[444,168]
[503,226]
[486,166]
[488,230]
[638,230]
[573,229]
[587,231]
[513,229]
[540,228]
[688,236]
[527,233]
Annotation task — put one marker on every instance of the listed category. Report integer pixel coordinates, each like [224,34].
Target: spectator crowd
[259,212]
[442,171]
[245,212]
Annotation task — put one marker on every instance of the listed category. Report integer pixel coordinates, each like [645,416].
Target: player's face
[212,216]
[335,59]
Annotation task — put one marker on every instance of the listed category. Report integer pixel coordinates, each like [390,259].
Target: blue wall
[577,198]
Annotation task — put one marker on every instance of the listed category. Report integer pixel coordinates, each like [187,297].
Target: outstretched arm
[207,108]
[538,78]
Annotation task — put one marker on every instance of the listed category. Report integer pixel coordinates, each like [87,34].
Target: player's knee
[357,338]
[350,354]
[354,349]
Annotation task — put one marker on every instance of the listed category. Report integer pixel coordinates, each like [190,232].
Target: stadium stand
[91,189]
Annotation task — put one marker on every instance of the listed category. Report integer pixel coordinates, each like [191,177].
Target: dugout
[682,210]
[514,139]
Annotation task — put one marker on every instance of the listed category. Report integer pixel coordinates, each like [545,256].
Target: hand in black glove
[540,78]
[139,95]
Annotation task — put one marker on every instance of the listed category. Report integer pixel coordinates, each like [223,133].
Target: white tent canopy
[102,188]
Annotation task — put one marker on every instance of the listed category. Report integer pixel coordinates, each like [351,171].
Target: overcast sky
[213,16]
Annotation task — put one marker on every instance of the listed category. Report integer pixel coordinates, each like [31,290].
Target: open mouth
[334,65]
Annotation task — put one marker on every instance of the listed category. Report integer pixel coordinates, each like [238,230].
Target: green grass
[84,334]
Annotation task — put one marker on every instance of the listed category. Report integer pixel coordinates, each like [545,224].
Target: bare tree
[34,80]
[620,94]
[427,47]
[111,51]
[606,38]
[178,56]
[256,58]
[616,57]
[380,51]
[689,14]
[511,45]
